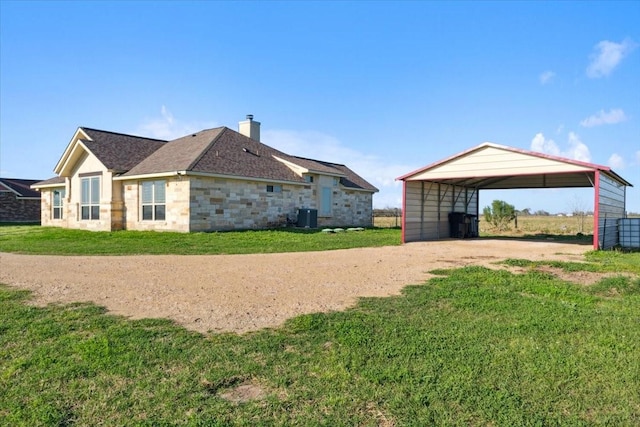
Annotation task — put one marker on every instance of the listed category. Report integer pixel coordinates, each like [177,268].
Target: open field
[527,225]
[534,225]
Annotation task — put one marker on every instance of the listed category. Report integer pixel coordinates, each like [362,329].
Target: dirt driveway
[241,293]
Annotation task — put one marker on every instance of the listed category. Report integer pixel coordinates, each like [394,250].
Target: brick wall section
[13,209]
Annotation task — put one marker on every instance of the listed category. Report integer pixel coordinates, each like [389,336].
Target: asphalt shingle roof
[219,151]
[120,152]
[50,181]
[21,186]
[226,152]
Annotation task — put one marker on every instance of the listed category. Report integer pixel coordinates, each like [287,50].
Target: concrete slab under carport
[453,185]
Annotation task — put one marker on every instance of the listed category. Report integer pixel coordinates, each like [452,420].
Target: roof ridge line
[206,149]
[317,160]
[123,134]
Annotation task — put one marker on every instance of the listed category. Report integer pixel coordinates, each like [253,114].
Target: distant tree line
[388,212]
[542,212]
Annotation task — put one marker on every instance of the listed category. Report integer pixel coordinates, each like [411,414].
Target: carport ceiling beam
[491,181]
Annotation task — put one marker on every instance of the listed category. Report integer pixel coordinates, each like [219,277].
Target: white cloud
[616,161]
[167,127]
[577,150]
[607,56]
[541,144]
[316,145]
[604,118]
[546,77]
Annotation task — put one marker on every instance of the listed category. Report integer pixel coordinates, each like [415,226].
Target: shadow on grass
[585,239]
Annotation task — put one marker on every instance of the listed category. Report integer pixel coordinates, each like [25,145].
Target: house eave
[244,178]
[363,190]
[204,174]
[148,175]
[54,185]
[303,170]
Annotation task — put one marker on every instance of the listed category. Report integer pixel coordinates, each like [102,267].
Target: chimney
[250,128]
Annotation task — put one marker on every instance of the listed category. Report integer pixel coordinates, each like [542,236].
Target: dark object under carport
[462,225]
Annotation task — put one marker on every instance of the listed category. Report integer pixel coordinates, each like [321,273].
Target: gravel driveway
[241,293]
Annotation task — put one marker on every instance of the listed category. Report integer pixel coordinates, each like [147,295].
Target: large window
[58,201]
[90,201]
[153,200]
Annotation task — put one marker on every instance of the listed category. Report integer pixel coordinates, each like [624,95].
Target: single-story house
[215,179]
[18,201]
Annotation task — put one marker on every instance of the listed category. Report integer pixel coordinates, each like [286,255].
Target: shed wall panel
[427,208]
[611,207]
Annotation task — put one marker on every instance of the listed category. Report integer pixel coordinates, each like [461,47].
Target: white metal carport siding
[427,205]
[492,166]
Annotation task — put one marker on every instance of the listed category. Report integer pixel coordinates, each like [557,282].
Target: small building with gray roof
[18,202]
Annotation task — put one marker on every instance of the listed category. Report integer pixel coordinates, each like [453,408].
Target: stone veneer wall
[350,208]
[177,206]
[46,210]
[13,209]
[227,204]
[207,204]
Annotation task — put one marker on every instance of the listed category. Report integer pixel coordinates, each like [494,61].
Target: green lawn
[471,347]
[61,241]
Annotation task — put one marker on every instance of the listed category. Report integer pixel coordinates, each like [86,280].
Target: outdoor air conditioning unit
[308,218]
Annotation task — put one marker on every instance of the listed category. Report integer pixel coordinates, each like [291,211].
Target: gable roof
[493,166]
[120,152]
[20,187]
[116,151]
[222,151]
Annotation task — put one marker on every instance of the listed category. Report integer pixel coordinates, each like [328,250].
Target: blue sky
[383,87]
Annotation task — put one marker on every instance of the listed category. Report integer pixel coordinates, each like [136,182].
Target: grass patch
[471,347]
[61,241]
[596,261]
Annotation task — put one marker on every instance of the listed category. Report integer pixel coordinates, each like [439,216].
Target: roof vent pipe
[250,128]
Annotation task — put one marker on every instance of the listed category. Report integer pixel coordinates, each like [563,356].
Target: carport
[453,185]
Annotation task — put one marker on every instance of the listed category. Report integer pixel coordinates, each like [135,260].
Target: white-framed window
[153,200]
[90,199]
[336,181]
[276,188]
[308,178]
[57,203]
